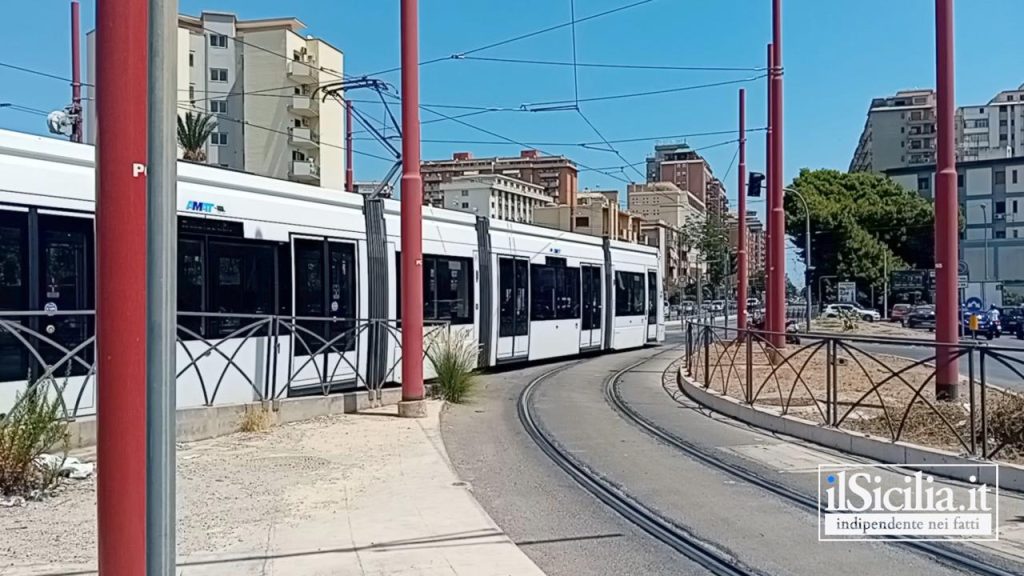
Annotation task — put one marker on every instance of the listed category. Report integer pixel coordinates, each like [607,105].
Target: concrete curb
[204,422]
[1011,476]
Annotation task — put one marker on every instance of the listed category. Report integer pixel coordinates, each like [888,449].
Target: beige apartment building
[755,240]
[690,172]
[256,77]
[663,201]
[494,196]
[595,213]
[899,132]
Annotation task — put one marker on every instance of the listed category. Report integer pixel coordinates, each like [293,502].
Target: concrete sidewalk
[362,494]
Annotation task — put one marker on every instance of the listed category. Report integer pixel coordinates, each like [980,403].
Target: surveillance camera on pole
[59,122]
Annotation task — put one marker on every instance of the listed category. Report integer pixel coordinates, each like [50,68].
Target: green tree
[709,235]
[791,291]
[193,132]
[861,225]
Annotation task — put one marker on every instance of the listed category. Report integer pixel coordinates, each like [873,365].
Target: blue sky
[838,55]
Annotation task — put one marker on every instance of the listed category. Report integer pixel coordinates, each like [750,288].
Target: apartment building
[994,130]
[691,173]
[557,175]
[899,132]
[256,78]
[755,240]
[663,201]
[595,213]
[991,195]
[494,196]
[679,265]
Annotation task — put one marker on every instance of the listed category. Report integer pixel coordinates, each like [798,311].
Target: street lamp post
[807,252]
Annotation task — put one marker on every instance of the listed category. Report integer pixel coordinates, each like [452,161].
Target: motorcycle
[756,322]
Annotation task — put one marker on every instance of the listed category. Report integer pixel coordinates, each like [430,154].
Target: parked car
[689,306]
[920,317]
[835,310]
[753,303]
[718,306]
[899,313]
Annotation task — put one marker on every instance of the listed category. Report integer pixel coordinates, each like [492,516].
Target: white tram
[286,289]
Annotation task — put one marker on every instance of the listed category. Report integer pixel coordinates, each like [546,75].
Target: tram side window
[554,292]
[190,285]
[447,288]
[630,292]
[13,291]
[240,283]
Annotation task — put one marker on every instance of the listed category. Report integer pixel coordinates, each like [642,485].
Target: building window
[1014,206]
[1014,176]
[218,74]
[960,180]
[981,110]
[219,139]
[219,106]
[923,183]
[1014,232]
[191,59]
[915,144]
[916,115]
[583,221]
[192,94]
[999,178]
[465,192]
[465,205]
[1001,207]
[218,41]
[1000,234]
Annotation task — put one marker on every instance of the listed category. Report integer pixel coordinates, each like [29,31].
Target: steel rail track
[942,553]
[692,547]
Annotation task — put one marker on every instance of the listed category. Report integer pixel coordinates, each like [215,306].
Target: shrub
[454,358]
[33,426]
[1006,424]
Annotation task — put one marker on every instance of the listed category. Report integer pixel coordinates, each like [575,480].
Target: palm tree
[193,132]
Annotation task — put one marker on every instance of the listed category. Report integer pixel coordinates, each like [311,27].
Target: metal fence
[221,358]
[881,386]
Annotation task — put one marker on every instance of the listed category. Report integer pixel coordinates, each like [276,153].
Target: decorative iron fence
[881,386]
[221,358]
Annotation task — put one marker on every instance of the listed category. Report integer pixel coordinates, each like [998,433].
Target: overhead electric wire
[520,37]
[575,69]
[39,73]
[615,66]
[23,109]
[580,144]
[542,106]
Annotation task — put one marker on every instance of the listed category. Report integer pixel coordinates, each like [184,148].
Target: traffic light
[754,184]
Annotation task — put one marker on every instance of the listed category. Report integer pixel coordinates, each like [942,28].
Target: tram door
[513,308]
[65,284]
[590,329]
[652,305]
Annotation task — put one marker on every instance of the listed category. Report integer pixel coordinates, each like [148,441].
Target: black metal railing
[881,386]
[252,357]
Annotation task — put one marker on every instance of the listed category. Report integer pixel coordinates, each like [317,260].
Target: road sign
[961,282]
[973,304]
[847,291]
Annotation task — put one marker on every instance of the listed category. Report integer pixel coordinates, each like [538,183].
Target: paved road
[533,500]
[563,529]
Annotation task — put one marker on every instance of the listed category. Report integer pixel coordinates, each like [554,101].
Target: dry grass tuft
[255,419]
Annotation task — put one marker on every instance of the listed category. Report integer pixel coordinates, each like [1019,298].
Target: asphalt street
[566,531]
[562,528]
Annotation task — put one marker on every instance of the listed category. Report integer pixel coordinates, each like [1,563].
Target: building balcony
[305,171]
[304,71]
[303,137]
[304,106]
